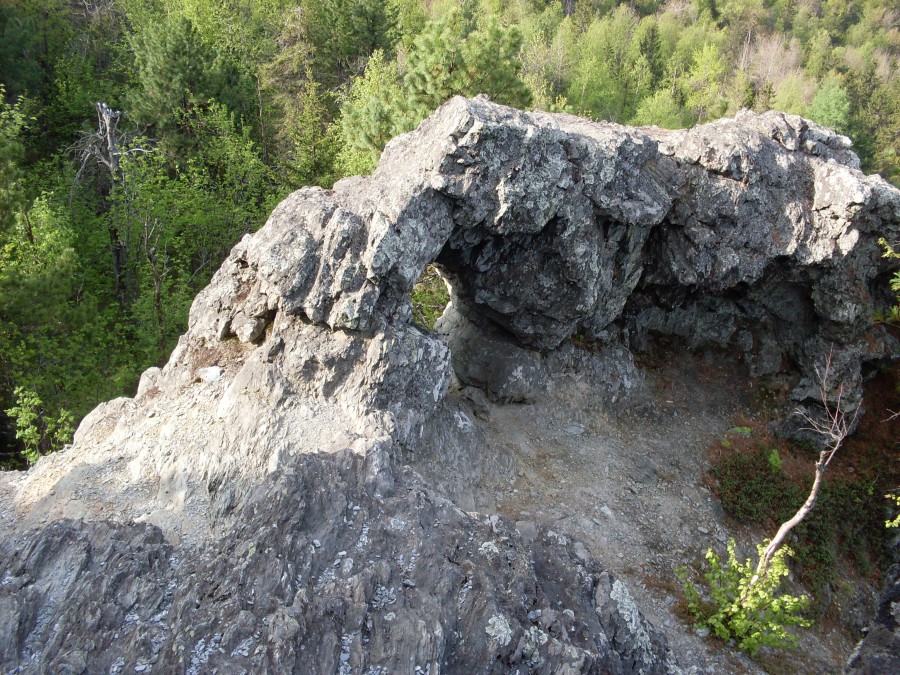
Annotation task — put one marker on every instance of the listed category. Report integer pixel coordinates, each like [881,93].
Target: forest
[140,139]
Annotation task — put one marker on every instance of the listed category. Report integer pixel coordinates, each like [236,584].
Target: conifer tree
[453,55]
[176,69]
[457,56]
[342,34]
[647,44]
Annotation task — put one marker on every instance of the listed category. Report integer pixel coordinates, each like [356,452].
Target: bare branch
[106,145]
[834,429]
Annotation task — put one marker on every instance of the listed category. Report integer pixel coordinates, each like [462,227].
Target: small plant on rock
[774,459]
[892,314]
[894,498]
[738,604]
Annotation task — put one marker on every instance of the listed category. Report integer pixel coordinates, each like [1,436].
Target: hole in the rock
[430,296]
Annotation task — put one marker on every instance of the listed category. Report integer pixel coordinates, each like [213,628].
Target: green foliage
[175,69]
[820,54]
[845,523]
[34,35]
[609,70]
[647,51]
[175,225]
[704,92]
[661,109]
[342,34]
[20,70]
[892,314]
[370,117]
[894,498]
[303,150]
[749,490]
[39,431]
[12,155]
[460,55]
[53,340]
[830,107]
[793,94]
[41,360]
[453,55]
[245,29]
[775,462]
[735,603]
[754,489]
[429,298]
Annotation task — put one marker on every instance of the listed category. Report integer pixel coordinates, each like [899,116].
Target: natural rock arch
[759,233]
[249,496]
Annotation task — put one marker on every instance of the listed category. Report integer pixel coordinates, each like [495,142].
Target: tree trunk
[783,531]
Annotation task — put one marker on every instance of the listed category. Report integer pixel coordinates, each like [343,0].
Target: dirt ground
[630,481]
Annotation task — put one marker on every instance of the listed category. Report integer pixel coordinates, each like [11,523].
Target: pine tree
[648,44]
[454,55]
[342,34]
[371,116]
[302,109]
[457,56]
[176,70]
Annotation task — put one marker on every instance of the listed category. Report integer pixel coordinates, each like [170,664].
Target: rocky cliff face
[249,511]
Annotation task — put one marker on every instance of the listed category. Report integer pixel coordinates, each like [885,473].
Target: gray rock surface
[879,651]
[249,510]
[333,569]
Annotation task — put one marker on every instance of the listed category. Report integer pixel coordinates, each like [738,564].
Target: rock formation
[249,510]
[879,652]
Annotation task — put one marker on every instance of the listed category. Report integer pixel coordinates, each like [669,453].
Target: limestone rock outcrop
[248,510]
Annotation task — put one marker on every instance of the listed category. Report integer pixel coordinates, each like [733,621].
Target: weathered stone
[209,374]
[399,574]
[264,521]
[879,650]
[485,358]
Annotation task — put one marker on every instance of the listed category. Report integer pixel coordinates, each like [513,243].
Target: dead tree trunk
[105,148]
[835,427]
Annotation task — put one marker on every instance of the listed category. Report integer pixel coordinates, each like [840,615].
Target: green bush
[429,298]
[895,505]
[846,521]
[774,461]
[39,431]
[736,605]
[751,488]
[892,314]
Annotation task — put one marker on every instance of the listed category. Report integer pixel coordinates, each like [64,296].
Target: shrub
[736,605]
[750,487]
[846,522]
[892,315]
[39,431]
[895,504]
